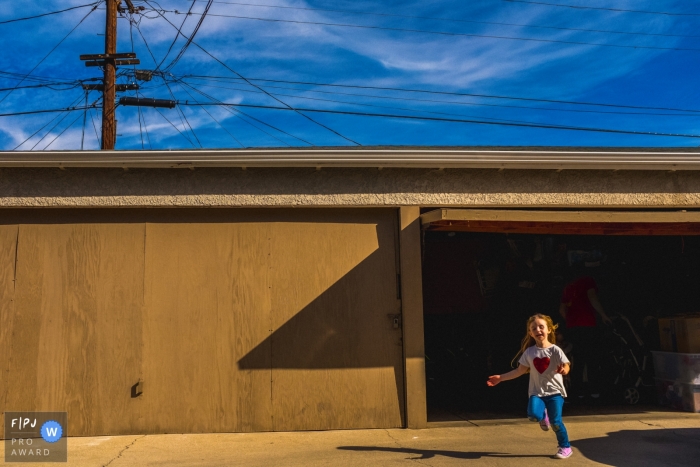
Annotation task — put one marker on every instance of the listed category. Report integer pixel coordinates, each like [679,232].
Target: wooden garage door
[231,320]
[72,340]
[336,356]
[8,244]
[207,305]
[273,320]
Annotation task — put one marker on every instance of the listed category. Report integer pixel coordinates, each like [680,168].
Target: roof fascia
[359,158]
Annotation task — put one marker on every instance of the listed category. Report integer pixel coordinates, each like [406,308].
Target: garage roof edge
[434,158]
[457,215]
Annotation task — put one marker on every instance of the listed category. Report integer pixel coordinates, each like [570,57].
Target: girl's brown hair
[529,341]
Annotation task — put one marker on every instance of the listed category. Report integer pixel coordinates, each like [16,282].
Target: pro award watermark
[36,437]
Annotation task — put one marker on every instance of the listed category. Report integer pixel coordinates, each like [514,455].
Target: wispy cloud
[323,53]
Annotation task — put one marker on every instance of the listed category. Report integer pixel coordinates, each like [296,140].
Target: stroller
[627,369]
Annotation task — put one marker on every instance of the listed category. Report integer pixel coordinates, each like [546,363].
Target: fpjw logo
[36,437]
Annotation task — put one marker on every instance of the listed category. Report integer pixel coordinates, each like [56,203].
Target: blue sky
[295,51]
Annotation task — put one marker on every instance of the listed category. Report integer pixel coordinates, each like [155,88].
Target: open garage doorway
[486,272]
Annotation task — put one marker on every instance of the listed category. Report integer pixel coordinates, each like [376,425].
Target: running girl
[538,352]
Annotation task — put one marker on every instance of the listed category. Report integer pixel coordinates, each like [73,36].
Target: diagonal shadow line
[335,330]
[430,453]
[347,326]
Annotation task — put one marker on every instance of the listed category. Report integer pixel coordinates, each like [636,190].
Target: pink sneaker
[563,453]
[544,423]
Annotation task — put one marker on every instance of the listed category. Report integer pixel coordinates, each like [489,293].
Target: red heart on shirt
[541,364]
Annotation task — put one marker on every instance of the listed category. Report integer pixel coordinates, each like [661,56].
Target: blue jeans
[553,404]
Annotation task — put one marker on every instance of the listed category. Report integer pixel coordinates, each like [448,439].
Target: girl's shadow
[429,453]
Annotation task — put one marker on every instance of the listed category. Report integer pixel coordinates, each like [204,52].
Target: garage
[318,288]
[201,321]
[486,271]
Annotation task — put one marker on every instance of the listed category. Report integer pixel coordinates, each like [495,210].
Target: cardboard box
[680,334]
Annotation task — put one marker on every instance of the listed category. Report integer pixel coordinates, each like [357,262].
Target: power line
[181,114]
[258,87]
[387,107]
[66,114]
[61,133]
[622,10]
[172,44]
[212,117]
[235,113]
[132,21]
[394,108]
[82,139]
[455,120]
[474,104]
[50,52]
[32,112]
[445,33]
[48,14]
[35,78]
[49,86]
[142,114]
[155,62]
[97,136]
[45,125]
[449,93]
[455,20]
[138,109]
[176,128]
[191,36]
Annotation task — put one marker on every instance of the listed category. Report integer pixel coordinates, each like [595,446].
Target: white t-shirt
[543,363]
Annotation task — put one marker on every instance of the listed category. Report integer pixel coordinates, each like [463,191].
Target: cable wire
[454,120]
[48,14]
[242,77]
[50,52]
[448,93]
[172,44]
[394,108]
[50,130]
[61,133]
[184,48]
[97,136]
[49,86]
[456,20]
[212,117]
[176,128]
[475,104]
[82,140]
[32,112]
[622,10]
[40,79]
[181,114]
[46,124]
[142,115]
[251,117]
[446,33]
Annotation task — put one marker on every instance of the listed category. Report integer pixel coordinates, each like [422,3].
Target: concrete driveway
[629,440]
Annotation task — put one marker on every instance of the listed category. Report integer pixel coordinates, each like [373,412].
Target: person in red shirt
[579,305]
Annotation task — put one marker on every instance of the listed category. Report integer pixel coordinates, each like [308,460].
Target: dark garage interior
[479,289]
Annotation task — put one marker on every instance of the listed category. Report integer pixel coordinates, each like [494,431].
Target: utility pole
[109,131]
[109,61]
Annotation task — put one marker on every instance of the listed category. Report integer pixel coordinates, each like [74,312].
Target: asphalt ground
[629,440]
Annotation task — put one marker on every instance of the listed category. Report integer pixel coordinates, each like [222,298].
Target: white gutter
[560,159]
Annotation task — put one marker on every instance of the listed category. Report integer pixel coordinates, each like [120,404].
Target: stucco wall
[214,187]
